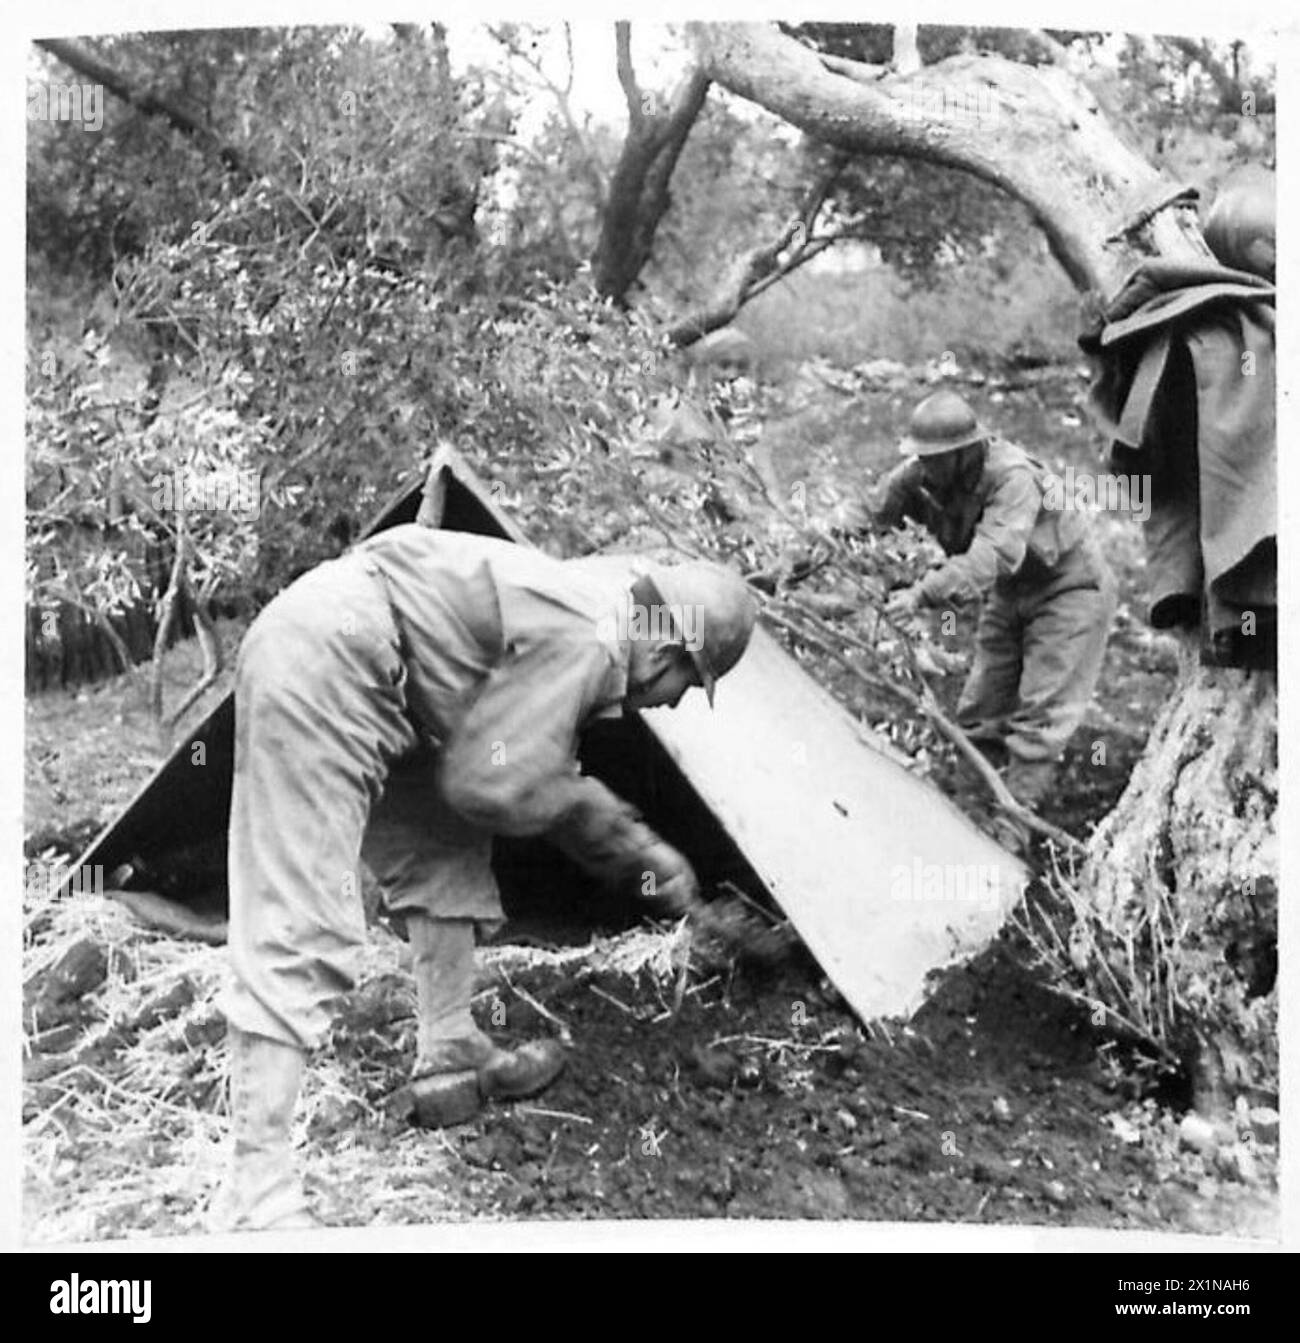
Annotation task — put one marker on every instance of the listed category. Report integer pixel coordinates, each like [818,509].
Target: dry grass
[115,1138]
[1125,974]
[130,1140]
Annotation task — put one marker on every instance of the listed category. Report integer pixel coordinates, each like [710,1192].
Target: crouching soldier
[1048,596]
[403,704]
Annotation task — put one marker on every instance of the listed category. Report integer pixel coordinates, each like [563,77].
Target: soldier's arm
[606,836]
[511,768]
[510,765]
[997,549]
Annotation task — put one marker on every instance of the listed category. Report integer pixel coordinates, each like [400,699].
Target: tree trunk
[638,196]
[1195,832]
[1190,850]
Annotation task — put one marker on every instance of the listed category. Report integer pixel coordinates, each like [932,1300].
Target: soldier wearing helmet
[404,704]
[1047,597]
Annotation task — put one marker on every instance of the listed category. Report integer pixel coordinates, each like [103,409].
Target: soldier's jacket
[507,654]
[993,526]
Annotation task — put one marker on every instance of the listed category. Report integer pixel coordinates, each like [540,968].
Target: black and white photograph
[648,620]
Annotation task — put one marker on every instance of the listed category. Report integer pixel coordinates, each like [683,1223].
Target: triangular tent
[882,876]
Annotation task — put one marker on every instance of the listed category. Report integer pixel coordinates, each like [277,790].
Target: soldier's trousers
[1039,647]
[329,769]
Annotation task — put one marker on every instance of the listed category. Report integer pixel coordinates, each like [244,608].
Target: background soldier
[1048,596]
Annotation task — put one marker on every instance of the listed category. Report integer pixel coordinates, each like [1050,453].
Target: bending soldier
[405,703]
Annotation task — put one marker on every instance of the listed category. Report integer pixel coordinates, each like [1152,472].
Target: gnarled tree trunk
[1192,845]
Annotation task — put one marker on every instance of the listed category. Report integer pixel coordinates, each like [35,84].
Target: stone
[1198,1134]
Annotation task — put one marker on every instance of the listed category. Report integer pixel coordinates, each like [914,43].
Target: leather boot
[262,1190]
[457,1067]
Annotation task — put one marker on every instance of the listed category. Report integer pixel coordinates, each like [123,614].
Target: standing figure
[1047,596]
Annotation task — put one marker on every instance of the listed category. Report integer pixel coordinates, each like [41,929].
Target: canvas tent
[780,788]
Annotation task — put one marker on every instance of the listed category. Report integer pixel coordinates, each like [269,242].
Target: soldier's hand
[668,880]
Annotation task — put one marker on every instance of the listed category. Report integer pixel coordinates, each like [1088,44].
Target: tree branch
[102,622]
[166,618]
[762,266]
[1037,133]
[89,64]
[860,71]
[586,157]
[213,658]
[627,76]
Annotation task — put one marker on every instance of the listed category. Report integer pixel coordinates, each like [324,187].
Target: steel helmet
[941,423]
[727,613]
[1241,228]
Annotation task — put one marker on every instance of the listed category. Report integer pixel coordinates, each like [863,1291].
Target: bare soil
[765,1098]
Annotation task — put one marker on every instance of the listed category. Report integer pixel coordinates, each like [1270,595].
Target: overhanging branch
[1037,133]
[627,75]
[762,266]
